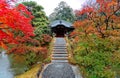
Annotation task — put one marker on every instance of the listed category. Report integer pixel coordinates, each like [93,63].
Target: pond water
[5,71]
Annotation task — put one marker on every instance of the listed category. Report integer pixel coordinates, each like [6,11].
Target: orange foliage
[101,19]
[3,45]
[46,38]
[76,39]
[23,49]
[73,34]
[85,10]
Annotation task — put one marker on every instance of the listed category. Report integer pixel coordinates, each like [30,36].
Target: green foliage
[81,17]
[40,21]
[18,64]
[63,12]
[21,63]
[31,73]
[47,60]
[117,13]
[98,57]
[30,58]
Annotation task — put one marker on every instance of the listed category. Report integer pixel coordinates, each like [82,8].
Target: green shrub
[98,57]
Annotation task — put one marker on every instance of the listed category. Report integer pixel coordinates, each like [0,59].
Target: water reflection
[5,66]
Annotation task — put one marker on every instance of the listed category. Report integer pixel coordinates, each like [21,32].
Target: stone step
[60,48]
[59,55]
[58,52]
[59,45]
[59,58]
[59,61]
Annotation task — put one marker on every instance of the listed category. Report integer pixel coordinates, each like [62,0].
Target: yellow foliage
[31,73]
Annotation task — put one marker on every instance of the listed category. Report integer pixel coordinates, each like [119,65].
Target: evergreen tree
[63,12]
[40,21]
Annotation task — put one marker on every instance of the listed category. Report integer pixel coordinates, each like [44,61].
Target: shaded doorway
[60,28]
[59,31]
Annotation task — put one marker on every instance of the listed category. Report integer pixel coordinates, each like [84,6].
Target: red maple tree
[14,19]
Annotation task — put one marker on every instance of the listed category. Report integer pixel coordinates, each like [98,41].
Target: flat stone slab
[58,70]
[60,41]
[59,61]
[59,55]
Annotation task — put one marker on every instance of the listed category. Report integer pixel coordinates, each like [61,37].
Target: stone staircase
[59,54]
[59,66]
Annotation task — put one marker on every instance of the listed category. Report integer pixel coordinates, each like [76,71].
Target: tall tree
[63,12]
[103,14]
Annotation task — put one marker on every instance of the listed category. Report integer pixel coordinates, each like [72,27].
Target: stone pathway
[59,66]
[58,70]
